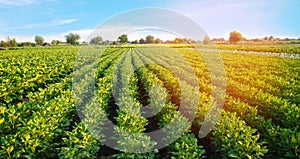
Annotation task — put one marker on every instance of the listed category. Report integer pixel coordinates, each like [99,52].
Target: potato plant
[55,102]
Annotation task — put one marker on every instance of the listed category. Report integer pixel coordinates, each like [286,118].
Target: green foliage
[56,42]
[133,142]
[123,39]
[130,122]
[148,155]
[96,40]
[72,38]
[141,41]
[38,118]
[291,49]
[39,40]
[236,140]
[289,142]
[158,41]
[9,42]
[186,147]
[28,72]
[149,39]
[26,44]
[79,144]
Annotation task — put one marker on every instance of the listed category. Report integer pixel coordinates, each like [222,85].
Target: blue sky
[52,19]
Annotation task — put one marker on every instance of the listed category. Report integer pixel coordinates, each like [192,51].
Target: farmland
[44,112]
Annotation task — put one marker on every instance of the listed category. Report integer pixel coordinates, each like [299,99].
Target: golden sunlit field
[39,118]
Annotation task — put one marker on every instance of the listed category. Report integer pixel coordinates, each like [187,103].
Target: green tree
[141,41]
[106,42]
[96,40]
[178,41]
[9,42]
[157,41]
[25,44]
[134,42]
[271,38]
[235,37]
[150,39]
[123,38]
[59,42]
[54,42]
[13,42]
[84,43]
[256,40]
[39,40]
[6,43]
[72,38]
[3,44]
[206,40]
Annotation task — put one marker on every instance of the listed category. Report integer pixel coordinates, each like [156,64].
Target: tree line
[150,39]
[73,39]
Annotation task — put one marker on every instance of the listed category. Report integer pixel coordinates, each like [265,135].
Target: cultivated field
[44,112]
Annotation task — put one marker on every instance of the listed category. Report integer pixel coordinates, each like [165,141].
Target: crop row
[21,72]
[233,146]
[244,99]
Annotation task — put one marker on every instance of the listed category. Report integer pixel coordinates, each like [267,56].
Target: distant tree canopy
[26,44]
[39,40]
[157,41]
[141,41]
[206,40]
[72,38]
[96,40]
[54,42]
[9,42]
[180,41]
[235,37]
[135,42]
[13,42]
[84,43]
[123,38]
[256,40]
[149,39]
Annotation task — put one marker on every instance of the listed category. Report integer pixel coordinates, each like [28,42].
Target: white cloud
[16,2]
[8,3]
[62,22]
[50,24]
